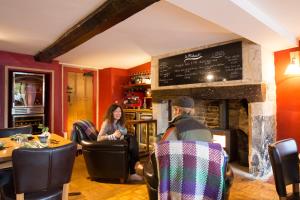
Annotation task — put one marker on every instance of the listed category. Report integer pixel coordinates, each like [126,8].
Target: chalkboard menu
[220,63]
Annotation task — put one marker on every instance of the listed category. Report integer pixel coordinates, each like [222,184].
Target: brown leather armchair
[104,159]
[151,178]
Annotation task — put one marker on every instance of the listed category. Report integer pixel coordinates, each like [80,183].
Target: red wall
[111,82]
[288,98]
[143,68]
[27,61]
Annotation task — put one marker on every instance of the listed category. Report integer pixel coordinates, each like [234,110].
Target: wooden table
[6,154]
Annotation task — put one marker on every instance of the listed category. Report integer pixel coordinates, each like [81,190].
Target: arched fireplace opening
[226,109]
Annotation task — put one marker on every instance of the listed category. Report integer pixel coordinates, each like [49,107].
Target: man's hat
[183,101]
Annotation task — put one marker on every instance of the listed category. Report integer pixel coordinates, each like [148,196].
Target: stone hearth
[257,87]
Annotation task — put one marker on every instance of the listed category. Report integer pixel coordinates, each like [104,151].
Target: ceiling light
[293,68]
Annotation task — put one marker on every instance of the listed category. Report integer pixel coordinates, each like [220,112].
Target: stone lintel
[251,92]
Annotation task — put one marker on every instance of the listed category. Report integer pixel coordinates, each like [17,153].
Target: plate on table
[34,144]
[16,136]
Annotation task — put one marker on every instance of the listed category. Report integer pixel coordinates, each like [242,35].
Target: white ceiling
[169,25]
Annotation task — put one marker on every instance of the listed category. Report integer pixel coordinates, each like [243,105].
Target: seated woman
[113,128]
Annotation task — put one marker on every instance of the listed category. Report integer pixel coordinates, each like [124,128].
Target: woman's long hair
[110,116]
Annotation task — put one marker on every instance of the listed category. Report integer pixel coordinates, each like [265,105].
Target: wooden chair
[43,173]
[285,164]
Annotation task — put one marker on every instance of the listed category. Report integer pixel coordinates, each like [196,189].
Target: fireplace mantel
[257,86]
[251,92]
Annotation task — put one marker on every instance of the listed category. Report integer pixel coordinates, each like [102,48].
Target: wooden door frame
[66,70]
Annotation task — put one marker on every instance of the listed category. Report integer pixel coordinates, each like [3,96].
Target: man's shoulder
[189,123]
[170,134]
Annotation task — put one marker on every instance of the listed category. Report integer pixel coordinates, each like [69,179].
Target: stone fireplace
[218,104]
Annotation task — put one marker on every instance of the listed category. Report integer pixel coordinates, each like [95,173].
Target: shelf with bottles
[140,78]
[137,95]
[137,100]
[137,86]
[133,99]
[129,110]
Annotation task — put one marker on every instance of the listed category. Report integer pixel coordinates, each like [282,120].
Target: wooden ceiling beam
[107,15]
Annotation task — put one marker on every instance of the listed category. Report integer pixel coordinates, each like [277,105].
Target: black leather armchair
[285,164]
[104,159]
[6,174]
[151,178]
[42,174]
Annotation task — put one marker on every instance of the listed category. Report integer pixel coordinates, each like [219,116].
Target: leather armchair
[6,174]
[151,178]
[42,173]
[285,164]
[104,159]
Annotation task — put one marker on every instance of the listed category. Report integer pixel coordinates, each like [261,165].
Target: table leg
[147,135]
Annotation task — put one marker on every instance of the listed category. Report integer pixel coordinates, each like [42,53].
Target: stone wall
[233,114]
[208,113]
[262,128]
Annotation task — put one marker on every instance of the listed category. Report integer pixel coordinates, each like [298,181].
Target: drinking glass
[123,130]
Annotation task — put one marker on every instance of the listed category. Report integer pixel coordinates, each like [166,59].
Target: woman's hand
[117,134]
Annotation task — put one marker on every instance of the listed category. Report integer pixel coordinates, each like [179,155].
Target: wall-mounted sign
[220,63]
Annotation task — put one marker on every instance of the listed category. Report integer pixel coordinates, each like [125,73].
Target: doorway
[80,97]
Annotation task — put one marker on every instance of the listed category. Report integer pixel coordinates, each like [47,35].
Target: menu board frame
[214,64]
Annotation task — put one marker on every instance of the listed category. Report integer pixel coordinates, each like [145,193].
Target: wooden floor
[242,188]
